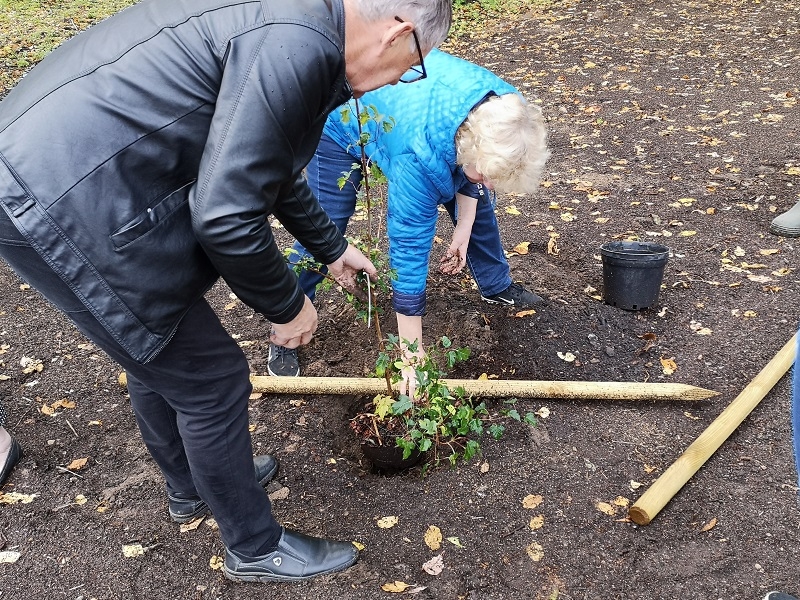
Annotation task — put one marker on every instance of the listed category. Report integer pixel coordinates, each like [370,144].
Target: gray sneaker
[788,223]
[779,596]
[283,362]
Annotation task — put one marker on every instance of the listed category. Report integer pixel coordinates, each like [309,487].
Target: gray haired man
[134,173]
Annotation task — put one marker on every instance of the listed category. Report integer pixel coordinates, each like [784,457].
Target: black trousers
[190,403]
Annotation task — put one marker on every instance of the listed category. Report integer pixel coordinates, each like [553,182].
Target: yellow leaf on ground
[455,541]
[522,248]
[512,210]
[535,551]
[359,546]
[80,499]
[710,525]
[531,501]
[525,313]
[216,563]
[606,508]
[687,233]
[63,403]
[536,522]
[17,498]
[132,550]
[192,525]
[669,366]
[395,587]
[768,251]
[433,537]
[78,464]
[621,501]
[388,522]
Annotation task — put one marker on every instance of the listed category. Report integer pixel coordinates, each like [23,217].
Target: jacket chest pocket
[151,217]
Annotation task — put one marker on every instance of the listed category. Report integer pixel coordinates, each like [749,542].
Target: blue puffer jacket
[418,157]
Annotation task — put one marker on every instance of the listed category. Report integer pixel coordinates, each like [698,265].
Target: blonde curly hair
[505,139]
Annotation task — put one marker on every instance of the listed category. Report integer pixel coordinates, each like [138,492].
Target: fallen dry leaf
[668,366]
[78,464]
[536,522]
[9,556]
[192,525]
[132,550]
[216,563]
[535,552]
[522,248]
[388,522]
[433,537]
[17,498]
[710,525]
[606,508]
[525,313]
[531,501]
[280,494]
[434,566]
[395,587]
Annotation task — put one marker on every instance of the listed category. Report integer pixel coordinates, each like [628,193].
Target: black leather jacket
[143,157]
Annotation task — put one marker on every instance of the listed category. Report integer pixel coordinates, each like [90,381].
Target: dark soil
[648,103]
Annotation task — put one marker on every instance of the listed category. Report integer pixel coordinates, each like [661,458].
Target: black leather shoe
[14,456]
[187,507]
[298,557]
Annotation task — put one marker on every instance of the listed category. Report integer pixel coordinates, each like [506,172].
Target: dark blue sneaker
[515,295]
[283,362]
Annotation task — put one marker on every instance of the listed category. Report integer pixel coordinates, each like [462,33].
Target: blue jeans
[190,403]
[485,257]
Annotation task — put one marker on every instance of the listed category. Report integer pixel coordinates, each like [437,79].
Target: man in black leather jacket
[134,172]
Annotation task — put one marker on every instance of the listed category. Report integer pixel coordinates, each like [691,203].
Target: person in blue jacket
[459,134]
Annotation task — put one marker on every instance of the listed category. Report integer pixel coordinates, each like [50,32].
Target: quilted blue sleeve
[411,224]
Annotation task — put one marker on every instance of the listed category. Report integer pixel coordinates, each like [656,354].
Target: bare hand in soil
[452,263]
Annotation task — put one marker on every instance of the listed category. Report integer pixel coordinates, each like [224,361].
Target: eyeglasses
[416,72]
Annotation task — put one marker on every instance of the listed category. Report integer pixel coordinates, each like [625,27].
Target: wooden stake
[492,388]
[672,480]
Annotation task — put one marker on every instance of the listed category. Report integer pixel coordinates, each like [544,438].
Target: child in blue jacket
[459,134]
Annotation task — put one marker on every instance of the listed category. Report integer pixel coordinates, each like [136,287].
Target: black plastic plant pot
[390,458]
[632,273]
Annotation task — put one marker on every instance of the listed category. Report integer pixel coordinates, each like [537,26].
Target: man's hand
[298,331]
[350,264]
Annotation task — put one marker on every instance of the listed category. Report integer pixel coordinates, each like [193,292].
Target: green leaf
[496,431]
[530,419]
[401,405]
[513,414]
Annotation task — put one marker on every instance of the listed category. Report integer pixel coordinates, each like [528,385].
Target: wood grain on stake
[672,480]
[492,388]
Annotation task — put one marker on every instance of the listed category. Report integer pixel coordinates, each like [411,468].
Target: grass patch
[31,29]
[474,15]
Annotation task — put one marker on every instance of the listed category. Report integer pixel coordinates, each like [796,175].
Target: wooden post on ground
[492,388]
[672,480]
